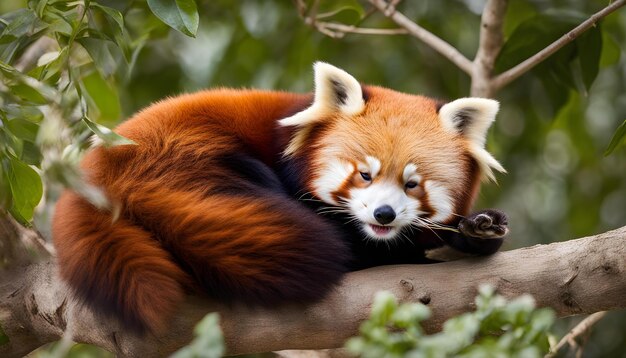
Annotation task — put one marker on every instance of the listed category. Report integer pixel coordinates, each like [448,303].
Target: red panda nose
[384,214]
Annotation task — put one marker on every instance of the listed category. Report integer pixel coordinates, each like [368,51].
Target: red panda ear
[335,91]
[472,117]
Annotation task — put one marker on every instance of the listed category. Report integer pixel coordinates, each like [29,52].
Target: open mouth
[380,231]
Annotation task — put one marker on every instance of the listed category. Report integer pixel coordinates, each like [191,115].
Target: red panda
[266,197]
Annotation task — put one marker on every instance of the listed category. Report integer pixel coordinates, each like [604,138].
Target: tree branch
[510,75]
[490,44]
[573,277]
[437,44]
[581,328]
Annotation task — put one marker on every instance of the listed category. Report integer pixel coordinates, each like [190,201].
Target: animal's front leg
[485,224]
[481,233]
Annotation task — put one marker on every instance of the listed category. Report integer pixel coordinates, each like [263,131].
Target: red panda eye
[366,176]
[410,184]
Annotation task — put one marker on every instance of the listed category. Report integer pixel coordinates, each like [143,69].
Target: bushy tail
[260,249]
[116,266]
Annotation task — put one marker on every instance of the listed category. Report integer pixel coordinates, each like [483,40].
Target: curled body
[269,197]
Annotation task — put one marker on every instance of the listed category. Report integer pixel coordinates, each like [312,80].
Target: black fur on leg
[481,233]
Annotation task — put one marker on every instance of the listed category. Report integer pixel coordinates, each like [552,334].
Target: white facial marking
[373,164]
[410,173]
[334,175]
[364,201]
[440,200]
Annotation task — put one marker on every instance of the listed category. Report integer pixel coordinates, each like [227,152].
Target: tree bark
[573,277]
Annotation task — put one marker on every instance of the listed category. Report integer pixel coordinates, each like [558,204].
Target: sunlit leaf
[22,22]
[23,129]
[28,93]
[109,137]
[29,113]
[208,341]
[27,87]
[617,140]
[26,189]
[181,15]
[104,97]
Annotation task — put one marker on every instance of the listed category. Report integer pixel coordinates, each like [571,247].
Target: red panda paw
[485,224]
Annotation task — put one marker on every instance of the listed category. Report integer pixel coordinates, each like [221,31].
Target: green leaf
[31,153]
[5,188]
[181,15]
[516,13]
[23,22]
[618,138]
[28,93]
[27,87]
[29,113]
[109,137]
[104,97]
[610,50]
[104,54]
[589,46]
[26,189]
[208,343]
[112,14]
[4,339]
[23,129]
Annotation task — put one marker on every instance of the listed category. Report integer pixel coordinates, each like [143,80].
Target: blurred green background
[550,134]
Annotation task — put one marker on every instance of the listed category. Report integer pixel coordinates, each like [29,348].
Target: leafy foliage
[208,343]
[54,101]
[496,329]
[575,66]
[181,15]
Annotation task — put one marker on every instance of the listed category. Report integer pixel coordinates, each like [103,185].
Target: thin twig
[581,328]
[339,30]
[490,44]
[436,43]
[508,76]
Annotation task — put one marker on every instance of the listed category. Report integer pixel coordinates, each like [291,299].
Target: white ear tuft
[472,117]
[335,91]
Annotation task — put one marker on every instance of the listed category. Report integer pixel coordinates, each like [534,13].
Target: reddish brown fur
[202,209]
[187,217]
[398,128]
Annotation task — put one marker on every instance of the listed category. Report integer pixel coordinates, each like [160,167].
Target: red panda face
[392,160]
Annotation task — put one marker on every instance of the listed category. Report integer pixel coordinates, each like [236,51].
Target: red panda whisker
[427,226]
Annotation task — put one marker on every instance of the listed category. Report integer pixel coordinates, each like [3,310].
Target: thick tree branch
[512,74]
[573,277]
[490,44]
[437,44]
